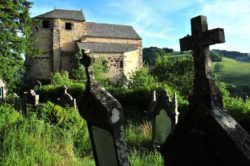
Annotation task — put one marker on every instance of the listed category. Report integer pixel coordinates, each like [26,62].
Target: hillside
[233,71]
[236,55]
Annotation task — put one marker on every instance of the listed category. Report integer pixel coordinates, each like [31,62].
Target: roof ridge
[63,14]
[110,24]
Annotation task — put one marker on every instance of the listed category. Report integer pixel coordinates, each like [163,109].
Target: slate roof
[63,14]
[107,47]
[111,31]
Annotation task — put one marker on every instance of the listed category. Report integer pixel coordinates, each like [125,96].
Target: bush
[142,79]
[218,67]
[61,78]
[52,92]
[8,115]
[239,109]
[177,72]
[68,119]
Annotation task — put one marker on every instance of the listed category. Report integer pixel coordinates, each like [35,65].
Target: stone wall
[39,68]
[57,47]
[114,64]
[64,43]
[131,62]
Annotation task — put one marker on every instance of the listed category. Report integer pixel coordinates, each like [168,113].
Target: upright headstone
[164,116]
[105,120]
[66,100]
[31,99]
[2,90]
[207,135]
[18,103]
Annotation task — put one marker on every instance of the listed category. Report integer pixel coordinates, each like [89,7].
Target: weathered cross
[199,42]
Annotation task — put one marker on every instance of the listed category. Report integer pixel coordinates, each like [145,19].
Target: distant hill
[239,56]
[150,54]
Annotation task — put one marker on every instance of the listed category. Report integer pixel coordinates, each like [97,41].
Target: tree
[216,56]
[177,72]
[15,39]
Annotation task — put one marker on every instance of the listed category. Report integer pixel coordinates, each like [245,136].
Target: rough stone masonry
[62,33]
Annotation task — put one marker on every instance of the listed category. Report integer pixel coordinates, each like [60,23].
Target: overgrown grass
[233,72]
[59,136]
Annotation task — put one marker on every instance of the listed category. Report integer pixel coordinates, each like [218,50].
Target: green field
[233,72]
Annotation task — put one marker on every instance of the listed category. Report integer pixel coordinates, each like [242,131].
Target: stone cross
[206,134]
[105,120]
[199,42]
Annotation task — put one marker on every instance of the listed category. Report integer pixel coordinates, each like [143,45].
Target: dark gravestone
[1,93]
[105,120]
[18,103]
[31,100]
[207,135]
[165,116]
[66,100]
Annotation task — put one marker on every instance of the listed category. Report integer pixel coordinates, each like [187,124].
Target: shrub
[218,67]
[61,78]
[141,79]
[52,92]
[8,115]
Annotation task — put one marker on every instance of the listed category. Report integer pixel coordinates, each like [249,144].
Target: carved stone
[105,120]
[208,135]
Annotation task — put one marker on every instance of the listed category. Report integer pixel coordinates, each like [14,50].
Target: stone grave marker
[207,135]
[105,121]
[18,103]
[31,99]
[66,100]
[165,116]
[3,90]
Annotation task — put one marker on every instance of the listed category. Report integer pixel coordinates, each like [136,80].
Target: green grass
[36,140]
[233,72]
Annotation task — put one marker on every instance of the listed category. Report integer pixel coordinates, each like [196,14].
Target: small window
[121,64]
[68,26]
[45,24]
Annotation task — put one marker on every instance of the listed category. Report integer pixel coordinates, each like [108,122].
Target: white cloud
[234,17]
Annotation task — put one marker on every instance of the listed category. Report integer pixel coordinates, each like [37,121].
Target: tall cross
[199,42]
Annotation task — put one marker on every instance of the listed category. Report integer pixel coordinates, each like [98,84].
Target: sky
[162,23]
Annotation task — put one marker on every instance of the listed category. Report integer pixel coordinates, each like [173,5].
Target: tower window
[121,64]
[68,26]
[45,24]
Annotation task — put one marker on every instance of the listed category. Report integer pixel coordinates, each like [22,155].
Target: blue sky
[162,22]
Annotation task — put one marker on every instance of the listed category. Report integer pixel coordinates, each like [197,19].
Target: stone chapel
[62,33]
